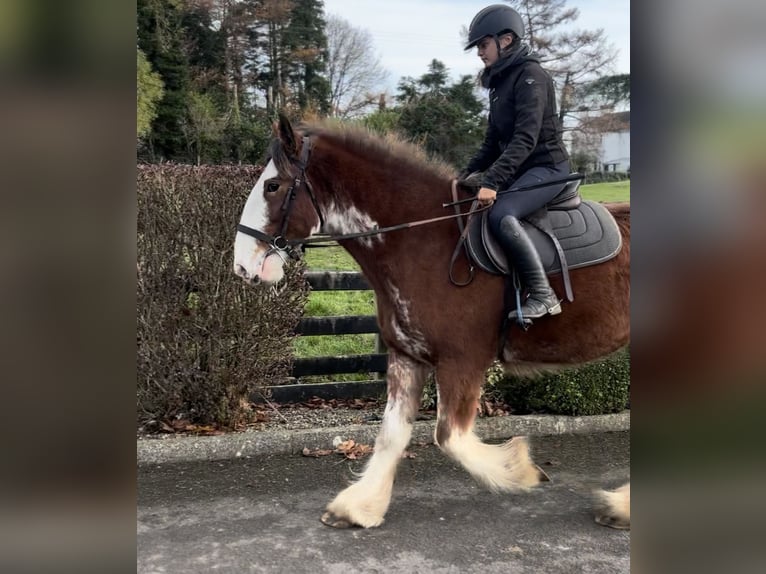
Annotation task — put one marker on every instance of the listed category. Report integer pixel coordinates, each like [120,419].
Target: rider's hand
[486,196]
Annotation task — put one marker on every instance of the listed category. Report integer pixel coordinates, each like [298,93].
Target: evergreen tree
[205,48]
[268,55]
[160,37]
[306,45]
[444,118]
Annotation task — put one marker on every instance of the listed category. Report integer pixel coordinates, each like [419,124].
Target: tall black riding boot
[523,255]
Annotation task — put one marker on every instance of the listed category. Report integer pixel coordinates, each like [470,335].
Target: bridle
[280,245]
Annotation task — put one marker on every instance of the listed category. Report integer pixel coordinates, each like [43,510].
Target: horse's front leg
[365,502]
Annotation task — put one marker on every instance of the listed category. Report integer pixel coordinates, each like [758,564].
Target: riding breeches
[522,203]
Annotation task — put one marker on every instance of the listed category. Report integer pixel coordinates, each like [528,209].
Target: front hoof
[330,519]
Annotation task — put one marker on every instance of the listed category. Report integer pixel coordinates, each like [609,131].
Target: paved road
[261,515]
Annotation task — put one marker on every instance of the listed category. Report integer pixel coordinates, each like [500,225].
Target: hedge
[599,387]
[605,176]
[205,339]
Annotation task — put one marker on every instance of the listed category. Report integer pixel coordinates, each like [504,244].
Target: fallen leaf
[165,427]
[181,424]
[346,445]
[316,453]
[353,450]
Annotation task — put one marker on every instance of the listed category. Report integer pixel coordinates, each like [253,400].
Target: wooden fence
[342,325]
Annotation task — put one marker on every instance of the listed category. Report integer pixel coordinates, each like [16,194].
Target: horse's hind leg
[614,507]
[499,467]
[365,502]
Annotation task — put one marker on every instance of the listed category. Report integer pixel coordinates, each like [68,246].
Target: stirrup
[528,314]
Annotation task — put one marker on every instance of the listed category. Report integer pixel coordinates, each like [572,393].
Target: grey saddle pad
[588,234]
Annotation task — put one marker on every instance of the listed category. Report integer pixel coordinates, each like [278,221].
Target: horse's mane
[391,147]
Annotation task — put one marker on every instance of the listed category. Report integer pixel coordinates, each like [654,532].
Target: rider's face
[487,48]
[487,51]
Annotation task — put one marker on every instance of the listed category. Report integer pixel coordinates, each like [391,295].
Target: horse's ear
[287,136]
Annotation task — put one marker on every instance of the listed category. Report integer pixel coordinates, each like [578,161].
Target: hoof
[335,521]
[613,508]
[612,522]
[330,519]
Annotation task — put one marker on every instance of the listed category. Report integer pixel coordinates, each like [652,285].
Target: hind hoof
[612,522]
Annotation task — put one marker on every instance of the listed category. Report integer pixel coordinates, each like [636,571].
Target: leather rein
[281,245]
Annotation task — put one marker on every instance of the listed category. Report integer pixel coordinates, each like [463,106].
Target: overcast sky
[408,34]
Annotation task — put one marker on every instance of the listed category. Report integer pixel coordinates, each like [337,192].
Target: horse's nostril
[255,281]
[242,272]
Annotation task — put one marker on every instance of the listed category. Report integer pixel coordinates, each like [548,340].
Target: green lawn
[611,191]
[329,303]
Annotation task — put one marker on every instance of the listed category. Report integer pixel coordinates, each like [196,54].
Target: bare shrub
[205,340]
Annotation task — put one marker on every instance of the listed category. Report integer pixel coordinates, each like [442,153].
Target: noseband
[279,244]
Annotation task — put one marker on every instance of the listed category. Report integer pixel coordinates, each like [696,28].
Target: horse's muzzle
[242,272]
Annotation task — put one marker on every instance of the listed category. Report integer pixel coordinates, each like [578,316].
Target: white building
[615,145]
[606,141]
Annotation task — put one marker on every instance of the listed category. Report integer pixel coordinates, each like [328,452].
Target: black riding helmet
[494,21]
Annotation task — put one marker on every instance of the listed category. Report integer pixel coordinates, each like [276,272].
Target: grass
[334,303]
[609,191]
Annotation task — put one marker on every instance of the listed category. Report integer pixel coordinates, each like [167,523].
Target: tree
[148,93]
[445,119]
[160,37]
[605,93]
[598,101]
[269,60]
[353,70]
[306,46]
[573,57]
[204,124]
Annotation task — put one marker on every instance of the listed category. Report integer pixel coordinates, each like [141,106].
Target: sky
[408,34]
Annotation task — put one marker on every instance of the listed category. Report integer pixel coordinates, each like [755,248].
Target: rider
[522,146]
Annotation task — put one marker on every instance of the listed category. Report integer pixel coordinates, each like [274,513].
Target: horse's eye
[272,187]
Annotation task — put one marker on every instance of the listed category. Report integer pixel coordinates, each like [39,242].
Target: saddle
[568,232]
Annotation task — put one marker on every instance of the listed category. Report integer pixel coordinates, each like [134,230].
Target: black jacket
[523,129]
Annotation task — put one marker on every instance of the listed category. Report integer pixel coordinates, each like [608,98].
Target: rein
[280,244]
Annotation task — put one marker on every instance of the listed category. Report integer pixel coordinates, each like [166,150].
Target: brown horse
[347,181]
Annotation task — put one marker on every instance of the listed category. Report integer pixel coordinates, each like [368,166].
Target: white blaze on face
[250,261]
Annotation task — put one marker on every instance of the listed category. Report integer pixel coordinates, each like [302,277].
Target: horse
[363,187]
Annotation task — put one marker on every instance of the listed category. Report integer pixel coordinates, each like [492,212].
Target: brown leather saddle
[568,232]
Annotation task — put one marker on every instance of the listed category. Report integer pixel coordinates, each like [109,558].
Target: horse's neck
[390,198]
[391,202]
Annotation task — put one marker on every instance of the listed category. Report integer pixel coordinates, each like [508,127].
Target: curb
[174,449]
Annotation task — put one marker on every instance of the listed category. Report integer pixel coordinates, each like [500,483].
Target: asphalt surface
[261,514]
